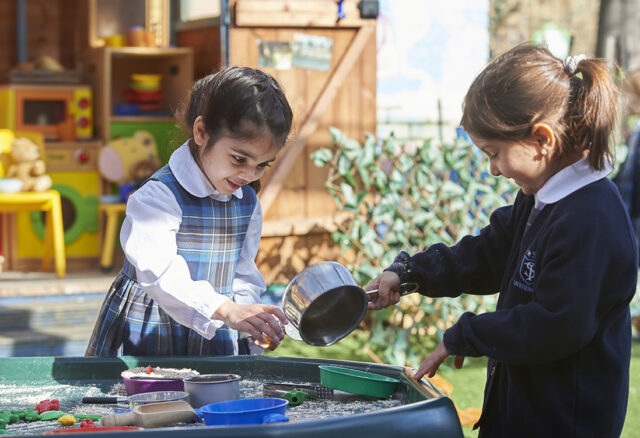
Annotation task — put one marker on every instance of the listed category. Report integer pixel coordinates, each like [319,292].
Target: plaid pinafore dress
[210,239]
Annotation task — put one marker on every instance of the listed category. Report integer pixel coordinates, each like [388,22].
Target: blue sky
[429,50]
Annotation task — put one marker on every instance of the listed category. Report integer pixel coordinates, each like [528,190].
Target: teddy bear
[27,166]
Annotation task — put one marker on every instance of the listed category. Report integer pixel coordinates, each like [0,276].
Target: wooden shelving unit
[109,71]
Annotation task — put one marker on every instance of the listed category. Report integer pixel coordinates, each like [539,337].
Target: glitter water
[70,396]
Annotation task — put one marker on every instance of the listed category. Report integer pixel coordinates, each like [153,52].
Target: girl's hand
[262,321]
[433,361]
[388,294]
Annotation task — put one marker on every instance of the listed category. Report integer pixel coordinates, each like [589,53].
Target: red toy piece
[88,423]
[149,369]
[47,405]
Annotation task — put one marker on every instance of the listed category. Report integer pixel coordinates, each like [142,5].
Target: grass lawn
[468,382]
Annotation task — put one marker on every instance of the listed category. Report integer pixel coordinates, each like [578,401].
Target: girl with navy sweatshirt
[563,256]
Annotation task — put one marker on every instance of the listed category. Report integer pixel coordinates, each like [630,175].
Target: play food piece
[295,397]
[88,423]
[26,414]
[50,415]
[67,420]
[357,382]
[5,417]
[8,417]
[54,415]
[47,405]
[153,415]
[93,417]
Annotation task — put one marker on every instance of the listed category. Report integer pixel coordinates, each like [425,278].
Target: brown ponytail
[528,85]
[591,112]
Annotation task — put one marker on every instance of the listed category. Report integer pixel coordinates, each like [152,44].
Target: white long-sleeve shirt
[148,238]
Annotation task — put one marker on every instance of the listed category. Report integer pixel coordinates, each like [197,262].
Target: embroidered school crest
[528,268]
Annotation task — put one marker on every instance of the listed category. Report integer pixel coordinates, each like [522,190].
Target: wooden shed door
[343,96]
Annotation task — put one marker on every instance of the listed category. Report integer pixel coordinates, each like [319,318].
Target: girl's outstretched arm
[433,361]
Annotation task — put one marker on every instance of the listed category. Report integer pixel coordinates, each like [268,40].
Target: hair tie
[570,64]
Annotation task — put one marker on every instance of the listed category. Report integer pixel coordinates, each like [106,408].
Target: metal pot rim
[208,379]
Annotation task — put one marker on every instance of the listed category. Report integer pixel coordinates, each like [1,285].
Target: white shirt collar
[192,179]
[569,180]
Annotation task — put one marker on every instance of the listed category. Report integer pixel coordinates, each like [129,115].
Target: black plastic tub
[420,409]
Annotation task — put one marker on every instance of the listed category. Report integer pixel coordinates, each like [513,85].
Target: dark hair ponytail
[528,85]
[238,102]
[592,110]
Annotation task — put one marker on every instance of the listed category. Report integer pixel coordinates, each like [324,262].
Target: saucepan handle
[405,288]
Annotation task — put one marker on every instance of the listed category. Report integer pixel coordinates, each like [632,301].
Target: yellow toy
[27,166]
[67,420]
[6,138]
[126,160]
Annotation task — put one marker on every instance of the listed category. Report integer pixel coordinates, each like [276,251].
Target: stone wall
[515,21]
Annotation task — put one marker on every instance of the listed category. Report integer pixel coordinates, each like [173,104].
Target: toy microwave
[60,112]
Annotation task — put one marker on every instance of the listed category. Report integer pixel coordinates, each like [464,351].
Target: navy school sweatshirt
[559,342]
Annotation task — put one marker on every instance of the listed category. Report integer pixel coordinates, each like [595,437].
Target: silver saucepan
[323,303]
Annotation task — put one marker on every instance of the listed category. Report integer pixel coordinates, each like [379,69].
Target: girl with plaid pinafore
[189,283]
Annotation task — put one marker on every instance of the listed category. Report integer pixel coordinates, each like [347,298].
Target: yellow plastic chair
[112,213]
[49,202]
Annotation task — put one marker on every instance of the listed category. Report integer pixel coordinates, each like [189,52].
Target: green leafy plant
[407,196]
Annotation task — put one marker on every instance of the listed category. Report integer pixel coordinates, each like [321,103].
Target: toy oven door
[42,111]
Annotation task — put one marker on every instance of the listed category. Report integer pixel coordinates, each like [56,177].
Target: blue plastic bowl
[244,411]
[126,109]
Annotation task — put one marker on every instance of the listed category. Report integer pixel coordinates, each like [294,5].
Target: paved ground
[41,315]
[14,284]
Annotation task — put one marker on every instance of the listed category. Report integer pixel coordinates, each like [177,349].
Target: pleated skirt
[131,323]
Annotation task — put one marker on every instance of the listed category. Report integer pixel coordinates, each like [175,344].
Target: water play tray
[414,409]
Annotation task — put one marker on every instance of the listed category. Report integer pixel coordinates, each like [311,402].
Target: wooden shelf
[148,51]
[87,143]
[109,71]
[142,119]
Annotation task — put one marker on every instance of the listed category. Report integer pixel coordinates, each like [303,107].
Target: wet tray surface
[26,381]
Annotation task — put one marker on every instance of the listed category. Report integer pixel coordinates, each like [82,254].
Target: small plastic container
[136,386]
[125,190]
[10,185]
[357,382]
[110,199]
[245,411]
[126,109]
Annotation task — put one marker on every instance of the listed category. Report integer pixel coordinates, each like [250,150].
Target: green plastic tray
[357,382]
